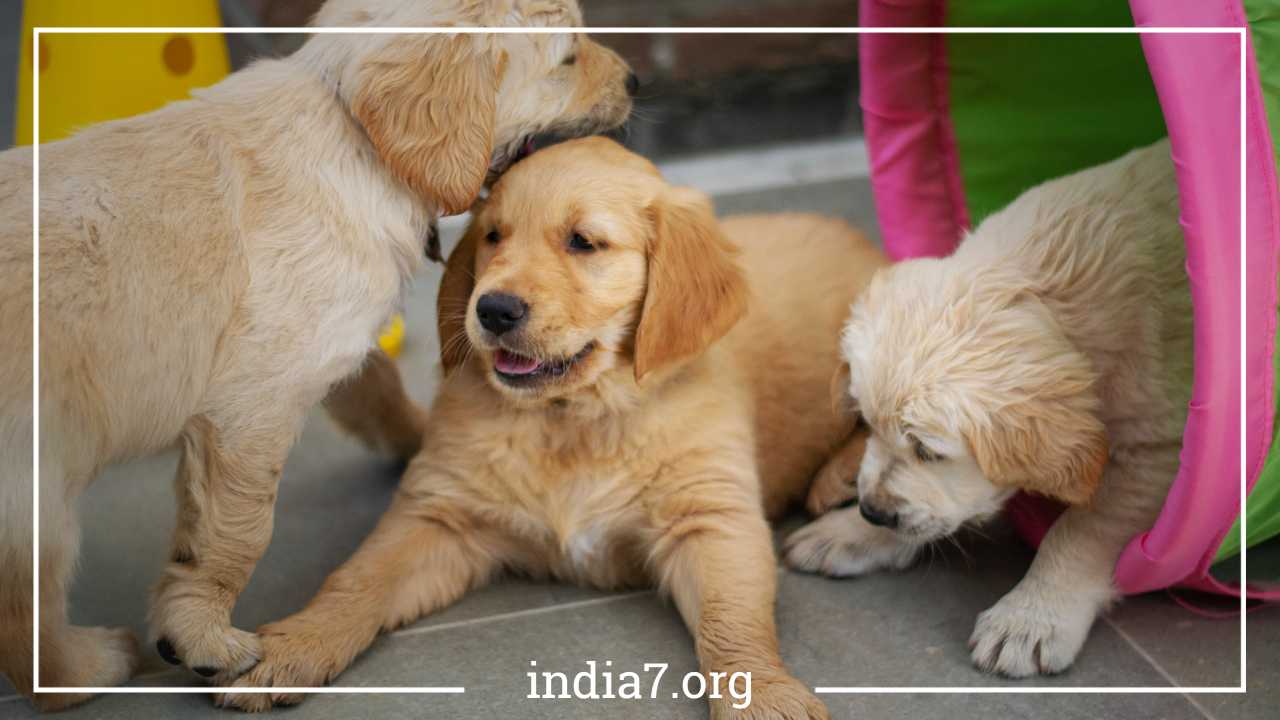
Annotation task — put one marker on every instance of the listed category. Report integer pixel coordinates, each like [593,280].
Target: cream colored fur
[1051,353]
[209,270]
[596,477]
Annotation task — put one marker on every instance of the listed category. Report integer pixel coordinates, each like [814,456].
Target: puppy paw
[289,660]
[831,488]
[1031,631]
[193,632]
[218,654]
[101,657]
[117,656]
[776,697]
[844,544]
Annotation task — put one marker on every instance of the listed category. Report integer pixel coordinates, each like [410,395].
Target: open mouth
[521,370]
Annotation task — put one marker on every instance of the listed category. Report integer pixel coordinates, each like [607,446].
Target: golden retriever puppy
[629,393]
[1051,353]
[210,269]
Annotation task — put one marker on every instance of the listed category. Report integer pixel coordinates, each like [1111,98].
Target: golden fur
[653,460]
[209,270]
[1051,353]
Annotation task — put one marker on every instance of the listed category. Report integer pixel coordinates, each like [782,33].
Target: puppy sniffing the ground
[1051,354]
[209,270]
[630,392]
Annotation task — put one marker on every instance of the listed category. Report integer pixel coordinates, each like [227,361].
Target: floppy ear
[453,300]
[1052,452]
[696,291]
[1047,438]
[427,105]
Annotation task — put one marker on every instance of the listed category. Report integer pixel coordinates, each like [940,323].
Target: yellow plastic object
[86,79]
[392,339]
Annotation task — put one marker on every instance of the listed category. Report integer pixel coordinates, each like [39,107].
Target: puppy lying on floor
[209,270]
[631,389]
[1051,353]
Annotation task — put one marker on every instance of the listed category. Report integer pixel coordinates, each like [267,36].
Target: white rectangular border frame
[35,291]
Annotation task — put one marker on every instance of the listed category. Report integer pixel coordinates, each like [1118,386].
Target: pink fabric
[1267,592]
[920,203]
[1194,606]
[1197,79]
[915,172]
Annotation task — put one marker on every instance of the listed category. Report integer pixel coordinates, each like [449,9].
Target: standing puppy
[1050,354]
[209,270]
[631,391]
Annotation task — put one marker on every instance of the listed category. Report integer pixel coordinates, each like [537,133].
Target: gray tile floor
[903,629]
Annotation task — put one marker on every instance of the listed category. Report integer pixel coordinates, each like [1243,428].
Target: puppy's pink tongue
[510,363]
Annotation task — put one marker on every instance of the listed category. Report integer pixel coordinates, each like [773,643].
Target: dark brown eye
[924,453]
[492,238]
[570,60]
[577,243]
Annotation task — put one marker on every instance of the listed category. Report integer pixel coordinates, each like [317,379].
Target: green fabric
[1263,509]
[1027,108]
[1263,506]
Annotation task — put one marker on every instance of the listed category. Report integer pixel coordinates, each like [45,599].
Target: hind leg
[373,406]
[70,656]
[75,656]
[837,482]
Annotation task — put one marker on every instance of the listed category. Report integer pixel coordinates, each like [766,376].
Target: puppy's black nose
[633,84]
[876,516]
[500,312]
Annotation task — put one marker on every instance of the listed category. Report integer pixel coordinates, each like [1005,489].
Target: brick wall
[706,92]
[656,13]
[687,56]
[701,92]
[680,57]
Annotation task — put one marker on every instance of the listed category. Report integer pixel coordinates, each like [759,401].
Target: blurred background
[761,122]
[701,92]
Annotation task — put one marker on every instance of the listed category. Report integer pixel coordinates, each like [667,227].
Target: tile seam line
[1157,667]
[439,627]
[412,632]
[516,614]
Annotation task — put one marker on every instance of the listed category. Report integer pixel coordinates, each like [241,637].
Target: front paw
[1031,630]
[289,660]
[773,697]
[844,544]
[196,632]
